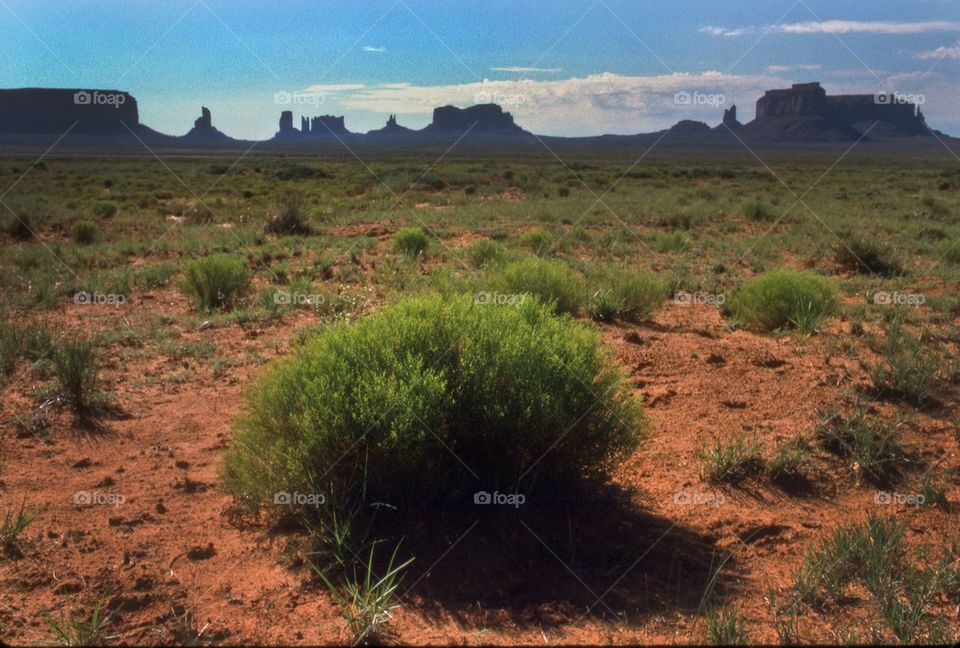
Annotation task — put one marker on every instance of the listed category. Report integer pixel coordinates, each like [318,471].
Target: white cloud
[521,69]
[842,27]
[940,53]
[594,104]
[371,48]
[780,69]
[332,88]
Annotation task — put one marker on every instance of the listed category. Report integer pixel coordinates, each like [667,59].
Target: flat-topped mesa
[805,110]
[328,126]
[323,126]
[483,118]
[56,111]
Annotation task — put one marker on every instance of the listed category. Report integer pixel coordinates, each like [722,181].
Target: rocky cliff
[806,113]
[55,111]
[483,118]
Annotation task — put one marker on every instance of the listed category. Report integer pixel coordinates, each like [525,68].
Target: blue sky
[563,67]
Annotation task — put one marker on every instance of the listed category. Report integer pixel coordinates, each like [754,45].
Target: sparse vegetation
[870,442]
[77,373]
[731,461]
[15,522]
[867,255]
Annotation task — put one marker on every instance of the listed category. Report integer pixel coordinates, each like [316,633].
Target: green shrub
[24,216]
[785,298]
[83,232]
[216,282]
[411,241]
[626,293]
[671,242]
[787,464]
[757,210]
[551,281]
[399,403]
[859,254]
[538,241]
[104,209]
[76,370]
[487,252]
[288,215]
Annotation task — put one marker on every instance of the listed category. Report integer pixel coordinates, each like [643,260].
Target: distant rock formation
[55,111]
[730,118]
[805,113]
[392,129]
[203,130]
[689,127]
[483,118]
[324,126]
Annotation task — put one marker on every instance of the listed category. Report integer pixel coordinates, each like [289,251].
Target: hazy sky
[563,67]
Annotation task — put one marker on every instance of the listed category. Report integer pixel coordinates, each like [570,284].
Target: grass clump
[487,253]
[730,462]
[216,282]
[288,215]
[391,405]
[785,299]
[869,256]
[949,251]
[23,217]
[550,281]
[758,211]
[84,232]
[75,363]
[626,293]
[786,466]
[15,522]
[73,631]
[909,369]
[411,241]
[104,209]
[724,627]
[870,442]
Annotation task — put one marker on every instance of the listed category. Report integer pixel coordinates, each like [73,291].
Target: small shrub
[288,215]
[537,241]
[411,241]
[871,443]
[949,251]
[83,232]
[869,256]
[731,462]
[389,406]
[626,293]
[552,282]
[216,282]
[486,253]
[671,242]
[104,209]
[785,298]
[23,217]
[758,211]
[77,373]
[199,214]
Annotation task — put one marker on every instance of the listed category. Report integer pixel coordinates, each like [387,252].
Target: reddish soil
[174,545]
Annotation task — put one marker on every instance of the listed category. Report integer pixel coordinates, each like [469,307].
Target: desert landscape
[466,384]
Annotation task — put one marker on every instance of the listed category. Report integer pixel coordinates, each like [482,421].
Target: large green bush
[216,282]
[433,399]
[785,299]
[551,281]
